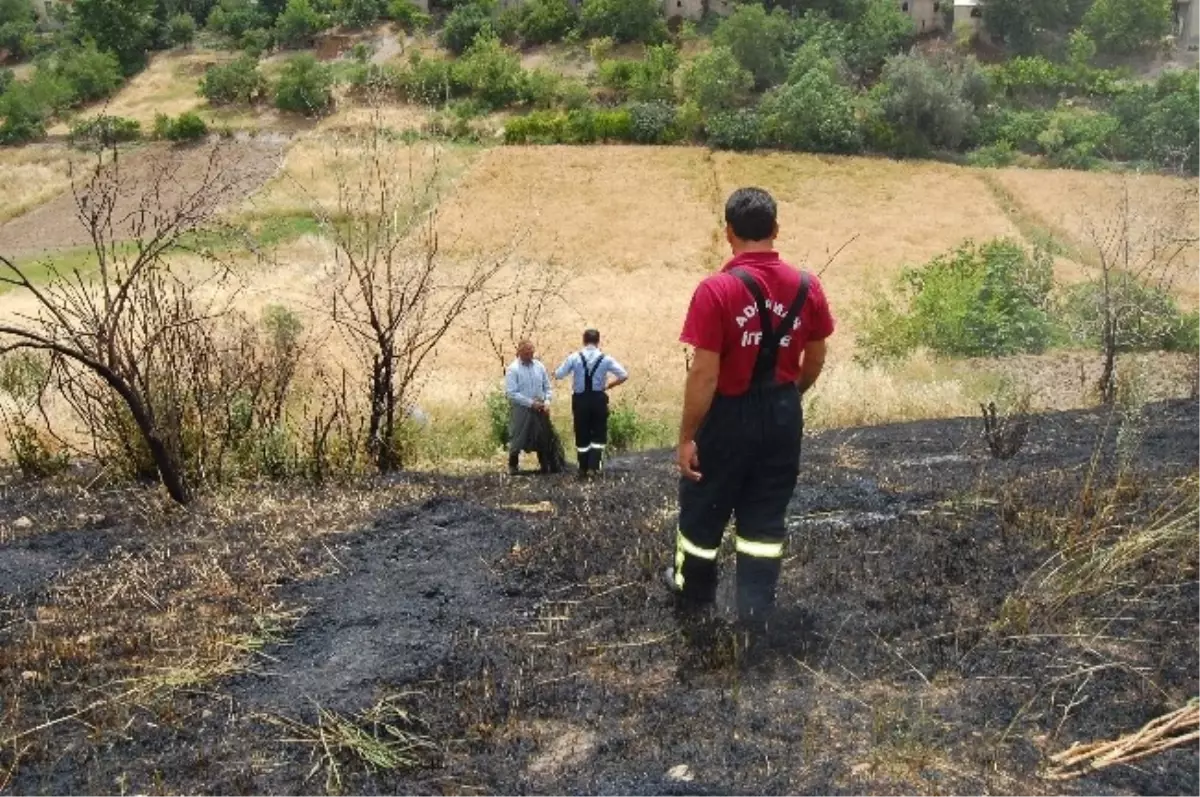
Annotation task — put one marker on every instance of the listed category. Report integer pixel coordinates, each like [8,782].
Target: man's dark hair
[751,214]
[591,337]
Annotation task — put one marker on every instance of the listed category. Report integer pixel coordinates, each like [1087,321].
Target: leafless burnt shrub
[122,327]
[1004,434]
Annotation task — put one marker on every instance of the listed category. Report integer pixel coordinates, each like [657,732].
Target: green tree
[238,81]
[759,40]
[1021,23]
[299,24]
[235,18]
[305,86]
[466,22]
[24,115]
[89,73]
[878,31]
[181,29]
[124,27]
[715,81]
[1124,27]
[926,105]
[17,24]
[815,113]
[490,72]
[361,13]
[407,15]
[544,21]
[624,20]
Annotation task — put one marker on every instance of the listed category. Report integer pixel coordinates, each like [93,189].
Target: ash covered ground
[523,624]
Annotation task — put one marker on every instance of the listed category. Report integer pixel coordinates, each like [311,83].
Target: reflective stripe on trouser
[590,414]
[694,562]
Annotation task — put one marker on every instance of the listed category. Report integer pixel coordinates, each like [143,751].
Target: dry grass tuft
[385,736]
[34,174]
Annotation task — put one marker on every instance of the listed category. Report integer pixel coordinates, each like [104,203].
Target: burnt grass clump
[520,631]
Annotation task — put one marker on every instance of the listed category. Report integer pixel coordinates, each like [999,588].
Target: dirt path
[56,225]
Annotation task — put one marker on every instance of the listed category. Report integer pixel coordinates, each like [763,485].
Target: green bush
[181,29]
[18,21]
[584,126]
[1146,316]
[465,23]
[497,412]
[1123,27]
[925,106]
[813,114]
[1014,130]
[1158,122]
[408,15]
[624,20]
[361,13]
[647,80]
[715,81]
[255,43]
[24,115]
[1077,137]
[89,73]
[736,130]
[993,156]
[427,80]
[186,127]
[988,300]
[235,18]
[614,125]
[305,86]
[124,28]
[759,41]
[879,30]
[100,132]
[625,428]
[238,81]
[545,21]
[299,24]
[652,123]
[540,88]
[490,72]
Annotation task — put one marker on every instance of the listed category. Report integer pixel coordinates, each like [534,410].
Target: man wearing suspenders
[758,329]
[589,404]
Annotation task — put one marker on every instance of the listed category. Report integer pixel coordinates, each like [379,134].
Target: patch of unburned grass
[35,174]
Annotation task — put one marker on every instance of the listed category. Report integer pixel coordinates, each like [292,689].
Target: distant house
[696,9]
[968,15]
[1187,24]
[928,16]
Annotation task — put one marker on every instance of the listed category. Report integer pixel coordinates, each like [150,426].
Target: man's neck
[750,247]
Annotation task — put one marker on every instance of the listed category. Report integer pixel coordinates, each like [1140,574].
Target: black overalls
[749,451]
[590,412]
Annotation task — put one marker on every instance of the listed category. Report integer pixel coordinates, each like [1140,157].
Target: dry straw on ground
[34,174]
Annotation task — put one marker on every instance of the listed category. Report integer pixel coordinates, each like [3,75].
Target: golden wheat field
[635,228]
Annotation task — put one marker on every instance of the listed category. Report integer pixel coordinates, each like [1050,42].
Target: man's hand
[689,461]
[538,406]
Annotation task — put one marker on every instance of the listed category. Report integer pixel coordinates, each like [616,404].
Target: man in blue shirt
[589,404]
[528,389]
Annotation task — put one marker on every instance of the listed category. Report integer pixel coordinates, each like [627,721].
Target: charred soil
[519,636]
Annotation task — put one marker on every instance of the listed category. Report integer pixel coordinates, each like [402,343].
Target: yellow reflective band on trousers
[761,550]
[685,547]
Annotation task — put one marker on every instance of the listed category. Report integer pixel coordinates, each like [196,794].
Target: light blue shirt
[525,384]
[582,361]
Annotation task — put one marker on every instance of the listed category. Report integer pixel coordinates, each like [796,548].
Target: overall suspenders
[589,373]
[768,349]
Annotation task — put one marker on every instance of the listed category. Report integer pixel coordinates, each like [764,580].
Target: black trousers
[590,413]
[749,452]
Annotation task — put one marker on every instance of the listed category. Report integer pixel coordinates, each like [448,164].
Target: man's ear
[729,236]
[775,231]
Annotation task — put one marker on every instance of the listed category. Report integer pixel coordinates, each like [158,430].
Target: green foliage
[24,115]
[497,413]
[186,127]
[465,23]
[1158,122]
[181,29]
[426,80]
[1123,27]
[812,114]
[652,123]
[736,130]
[544,21]
[257,41]
[625,428]
[1078,137]
[17,24]
[1035,80]
[989,300]
[85,75]
[1146,316]
[360,13]
[238,81]
[235,18]
[584,126]
[624,20]
[408,15]
[305,86]
[101,132]
[125,28]
[925,106]
[879,30]
[490,72]
[1021,24]
[299,24]
[507,25]
[758,40]
[716,82]
[37,455]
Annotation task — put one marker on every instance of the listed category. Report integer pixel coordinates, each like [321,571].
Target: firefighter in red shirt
[758,329]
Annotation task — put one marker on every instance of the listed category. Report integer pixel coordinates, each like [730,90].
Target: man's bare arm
[698,392]
[811,365]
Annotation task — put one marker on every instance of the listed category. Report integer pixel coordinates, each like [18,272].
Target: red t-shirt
[723,318]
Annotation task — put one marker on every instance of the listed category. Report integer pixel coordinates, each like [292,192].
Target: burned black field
[948,621]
